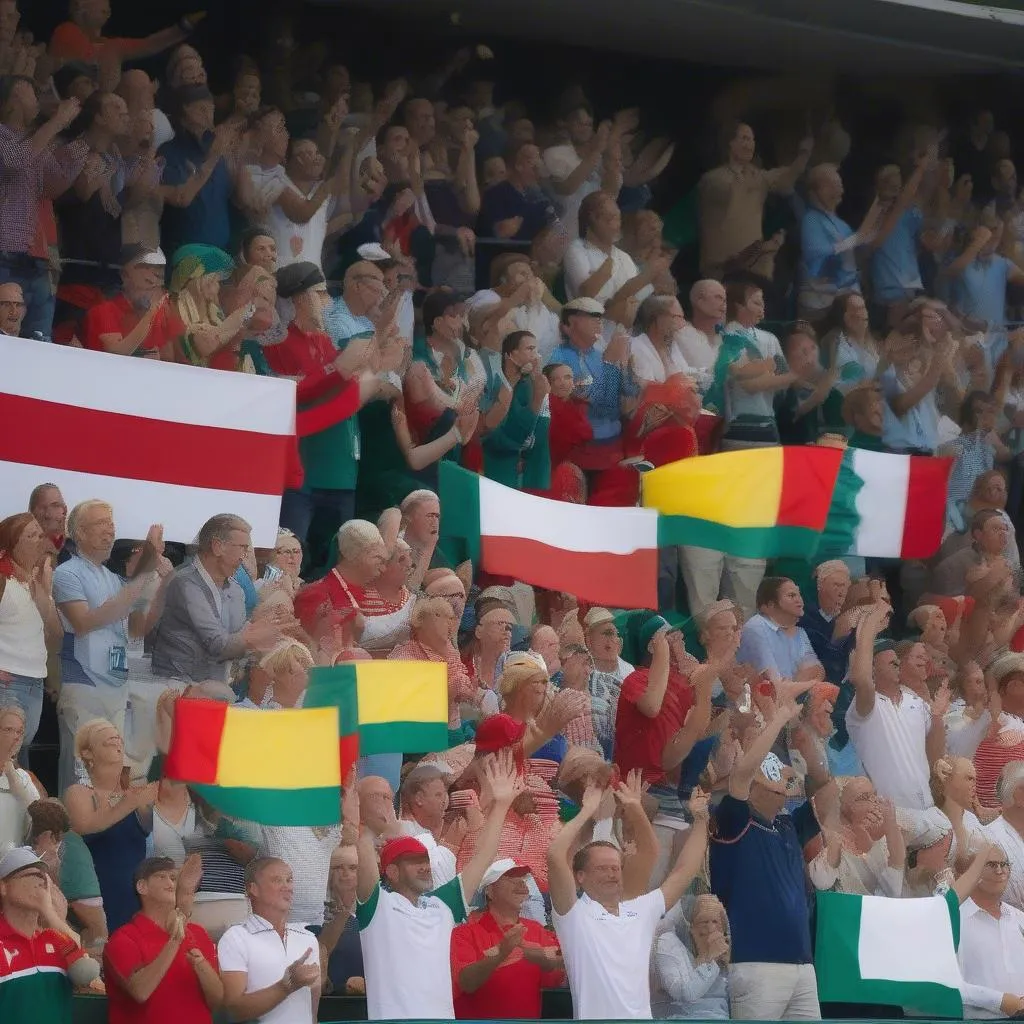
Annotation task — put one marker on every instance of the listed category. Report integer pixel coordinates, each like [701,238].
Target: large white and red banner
[162,443]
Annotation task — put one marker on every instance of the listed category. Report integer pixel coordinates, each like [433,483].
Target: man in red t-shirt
[159,968]
[501,961]
[81,37]
[140,321]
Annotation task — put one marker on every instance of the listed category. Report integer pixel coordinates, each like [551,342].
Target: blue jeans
[34,278]
[27,693]
[298,508]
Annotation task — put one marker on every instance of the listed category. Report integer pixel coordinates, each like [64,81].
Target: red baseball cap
[402,846]
[497,732]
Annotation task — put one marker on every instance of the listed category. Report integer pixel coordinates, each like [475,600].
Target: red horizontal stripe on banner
[622,581]
[114,444]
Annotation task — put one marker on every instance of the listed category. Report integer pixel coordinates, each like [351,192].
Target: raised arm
[501,784]
[561,881]
[367,871]
[862,660]
[691,857]
[650,701]
[637,868]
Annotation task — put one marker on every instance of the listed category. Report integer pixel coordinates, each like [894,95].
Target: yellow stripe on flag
[734,488]
[402,691]
[283,749]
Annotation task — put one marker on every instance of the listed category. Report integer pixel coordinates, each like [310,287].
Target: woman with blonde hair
[113,817]
[287,665]
[197,272]
[690,962]
[954,788]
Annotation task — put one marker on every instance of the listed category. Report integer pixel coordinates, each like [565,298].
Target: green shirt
[78,879]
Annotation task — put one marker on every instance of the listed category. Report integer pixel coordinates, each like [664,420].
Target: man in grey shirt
[203,627]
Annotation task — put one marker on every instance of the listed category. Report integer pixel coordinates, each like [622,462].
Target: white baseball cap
[17,859]
[505,866]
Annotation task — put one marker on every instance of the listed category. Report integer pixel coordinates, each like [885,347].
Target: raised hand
[592,797]
[630,792]
[191,873]
[299,974]
[501,782]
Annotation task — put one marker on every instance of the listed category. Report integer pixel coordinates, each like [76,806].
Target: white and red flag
[160,442]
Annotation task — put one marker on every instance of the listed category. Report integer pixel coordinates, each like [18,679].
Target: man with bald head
[828,245]
[12,308]
[700,339]
[138,91]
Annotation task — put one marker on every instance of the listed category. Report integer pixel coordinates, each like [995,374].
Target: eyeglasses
[607,632]
[997,865]
[12,304]
[288,551]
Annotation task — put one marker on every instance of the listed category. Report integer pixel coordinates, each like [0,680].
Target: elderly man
[406,928]
[602,380]
[500,959]
[828,245]
[771,640]
[700,339]
[829,631]
[47,504]
[270,968]
[362,557]
[990,530]
[421,524]
[331,388]
[99,611]
[203,628]
[1007,830]
[12,309]
[605,645]
[138,321]
[41,959]
[159,964]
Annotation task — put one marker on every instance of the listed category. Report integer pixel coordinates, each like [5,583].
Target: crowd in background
[636,805]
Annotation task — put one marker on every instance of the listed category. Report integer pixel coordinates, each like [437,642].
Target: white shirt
[560,162]
[407,952]
[442,860]
[255,949]
[308,854]
[583,258]
[1003,834]
[22,641]
[700,350]
[648,365]
[890,743]
[991,956]
[14,808]
[162,130]
[607,956]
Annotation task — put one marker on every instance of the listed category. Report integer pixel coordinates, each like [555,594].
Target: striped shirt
[26,179]
[307,851]
[343,325]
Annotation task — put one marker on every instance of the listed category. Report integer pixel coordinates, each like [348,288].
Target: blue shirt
[917,428]
[894,268]
[608,385]
[821,267]
[504,201]
[343,325]
[757,871]
[764,645]
[99,658]
[981,290]
[207,218]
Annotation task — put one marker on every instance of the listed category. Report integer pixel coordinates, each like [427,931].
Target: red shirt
[69,42]
[178,997]
[639,740]
[513,990]
[332,590]
[118,316]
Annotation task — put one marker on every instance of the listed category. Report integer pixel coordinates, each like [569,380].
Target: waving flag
[758,503]
[276,767]
[161,442]
[605,555]
[888,506]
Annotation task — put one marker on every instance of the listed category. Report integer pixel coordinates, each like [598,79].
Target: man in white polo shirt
[270,968]
[606,943]
[406,929]
[897,735]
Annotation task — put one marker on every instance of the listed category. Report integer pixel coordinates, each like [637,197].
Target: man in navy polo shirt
[757,871]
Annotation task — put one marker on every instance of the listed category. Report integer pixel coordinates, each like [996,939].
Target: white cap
[19,858]
[503,867]
[584,304]
[374,252]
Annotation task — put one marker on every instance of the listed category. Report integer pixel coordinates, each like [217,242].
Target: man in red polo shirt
[158,967]
[37,955]
[501,961]
[139,321]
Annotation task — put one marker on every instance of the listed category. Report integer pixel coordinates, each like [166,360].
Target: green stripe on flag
[459,491]
[837,965]
[843,518]
[739,541]
[316,806]
[403,737]
[335,688]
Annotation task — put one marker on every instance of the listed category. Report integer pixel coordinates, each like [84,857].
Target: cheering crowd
[638,806]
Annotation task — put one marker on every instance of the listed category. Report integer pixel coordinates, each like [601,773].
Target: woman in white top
[29,625]
[690,963]
[17,790]
[953,785]
[388,606]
